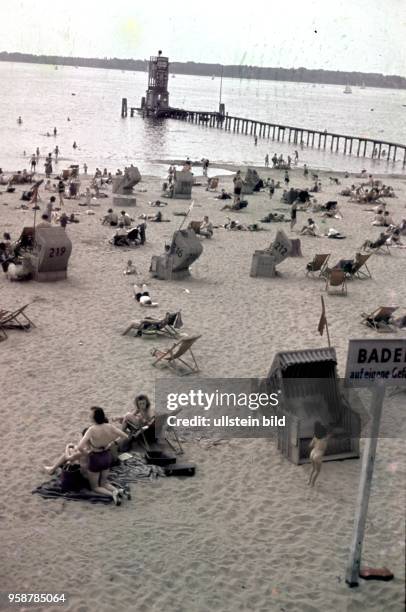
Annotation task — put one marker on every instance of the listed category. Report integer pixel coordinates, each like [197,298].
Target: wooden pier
[336,143]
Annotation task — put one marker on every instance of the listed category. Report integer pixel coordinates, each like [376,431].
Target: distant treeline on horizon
[300,75]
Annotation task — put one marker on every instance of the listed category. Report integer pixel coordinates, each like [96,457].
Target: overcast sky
[365,35]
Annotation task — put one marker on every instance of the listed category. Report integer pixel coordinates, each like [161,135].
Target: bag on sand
[72,479]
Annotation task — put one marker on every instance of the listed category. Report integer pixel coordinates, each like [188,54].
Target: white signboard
[371,361]
[281,247]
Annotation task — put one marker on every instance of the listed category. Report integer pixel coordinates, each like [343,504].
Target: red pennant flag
[323,320]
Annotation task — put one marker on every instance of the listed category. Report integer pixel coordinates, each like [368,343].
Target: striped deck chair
[16,319]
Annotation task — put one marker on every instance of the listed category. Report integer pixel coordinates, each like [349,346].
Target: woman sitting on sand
[157,218]
[310,229]
[378,219]
[98,439]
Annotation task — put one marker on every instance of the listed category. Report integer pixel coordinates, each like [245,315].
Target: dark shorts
[237,190]
[138,296]
[98,462]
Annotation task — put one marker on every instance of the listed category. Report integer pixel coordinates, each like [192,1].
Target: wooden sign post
[374,364]
[367,470]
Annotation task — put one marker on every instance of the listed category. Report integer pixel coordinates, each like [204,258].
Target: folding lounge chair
[317,265]
[380,246]
[3,334]
[172,357]
[150,327]
[16,319]
[381,319]
[336,279]
[360,262]
[162,430]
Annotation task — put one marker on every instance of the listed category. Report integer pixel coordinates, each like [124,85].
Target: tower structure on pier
[157,95]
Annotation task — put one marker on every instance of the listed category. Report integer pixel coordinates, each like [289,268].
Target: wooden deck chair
[162,431]
[172,357]
[336,279]
[16,319]
[195,226]
[381,246]
[318,264]
[3,333]
[360,262]
[149,327]
[381,319]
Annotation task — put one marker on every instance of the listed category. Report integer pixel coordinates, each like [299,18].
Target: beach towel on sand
[133,470]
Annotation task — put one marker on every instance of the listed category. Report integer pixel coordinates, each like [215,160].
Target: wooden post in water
[124,107]
[394,153]
[308,138]
[273,132]
[404,156]
[389,151]
[359,146]
[313,135]
[331,144]
[350,151]
[365,147]
[338,143]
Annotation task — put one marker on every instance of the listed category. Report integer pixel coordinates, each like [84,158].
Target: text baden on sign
[370,361]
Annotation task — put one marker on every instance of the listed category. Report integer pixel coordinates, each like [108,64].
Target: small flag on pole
[323,320]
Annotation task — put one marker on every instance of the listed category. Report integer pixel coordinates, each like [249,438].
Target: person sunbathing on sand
[142,296]
[310,229]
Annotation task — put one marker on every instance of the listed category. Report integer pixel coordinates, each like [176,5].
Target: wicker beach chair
[318,264]
[381,319]
[174,357]
[336,281]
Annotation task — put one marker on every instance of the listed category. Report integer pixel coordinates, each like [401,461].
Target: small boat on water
[174,76]
[55,67]
[363,85]
[347,89]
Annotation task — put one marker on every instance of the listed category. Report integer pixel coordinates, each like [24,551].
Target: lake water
[44,98]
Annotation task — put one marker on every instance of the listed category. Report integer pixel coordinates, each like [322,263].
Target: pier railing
[357,145]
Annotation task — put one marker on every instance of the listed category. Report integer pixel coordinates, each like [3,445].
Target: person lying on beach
[238,204]
[318,447]
[130,269]
[310,229]
[111,218]
[394,239]
[223,195]
[157,218]
[331,210]
[158,203]
[141,294]
[274,217]
[72,455]
[334,234]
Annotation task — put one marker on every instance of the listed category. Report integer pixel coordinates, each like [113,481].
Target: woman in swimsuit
[319,446]
[99,438]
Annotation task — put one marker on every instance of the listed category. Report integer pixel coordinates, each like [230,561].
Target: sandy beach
[246,533]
